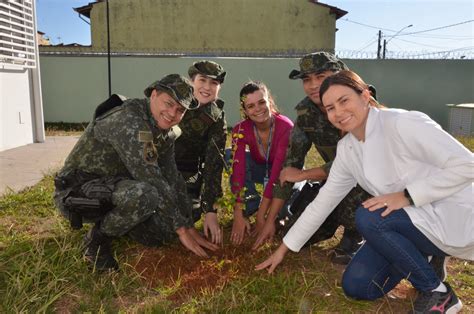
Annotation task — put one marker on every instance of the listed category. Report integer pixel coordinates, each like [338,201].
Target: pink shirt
[281,134]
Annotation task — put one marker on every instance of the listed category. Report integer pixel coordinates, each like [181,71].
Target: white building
[21,108]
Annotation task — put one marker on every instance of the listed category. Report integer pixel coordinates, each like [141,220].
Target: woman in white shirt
[422,179]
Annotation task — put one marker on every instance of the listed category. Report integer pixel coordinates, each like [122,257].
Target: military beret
[176,86]
[317,62]
[208,68]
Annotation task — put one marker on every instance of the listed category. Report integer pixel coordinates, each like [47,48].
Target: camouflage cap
[178,87]
[318,62]
[208,68]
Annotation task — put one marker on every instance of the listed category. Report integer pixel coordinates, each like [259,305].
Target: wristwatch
[408,196]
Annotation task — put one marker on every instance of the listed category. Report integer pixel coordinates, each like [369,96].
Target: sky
[357,33]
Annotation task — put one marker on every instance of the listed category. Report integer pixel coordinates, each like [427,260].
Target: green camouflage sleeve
[121,132]
[213,165]
[295,156]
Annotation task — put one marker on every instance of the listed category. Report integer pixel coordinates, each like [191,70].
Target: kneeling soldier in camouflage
[199,150]
[312,127]
[122,176]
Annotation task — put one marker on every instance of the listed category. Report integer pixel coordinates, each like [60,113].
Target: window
[17,33]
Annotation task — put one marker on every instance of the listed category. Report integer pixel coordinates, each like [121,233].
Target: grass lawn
[41,270]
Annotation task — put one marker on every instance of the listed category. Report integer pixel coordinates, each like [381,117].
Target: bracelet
[408,196]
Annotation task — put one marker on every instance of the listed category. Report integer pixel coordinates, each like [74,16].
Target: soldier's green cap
[178,87]
[317,62]
[208,68]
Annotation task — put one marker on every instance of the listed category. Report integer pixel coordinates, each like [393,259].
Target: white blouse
[403,149]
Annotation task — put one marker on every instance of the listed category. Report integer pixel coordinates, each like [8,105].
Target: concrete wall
[74,86]
[214,26]
[21,109]
[16,125]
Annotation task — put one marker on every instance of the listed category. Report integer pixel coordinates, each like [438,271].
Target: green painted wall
[74,86]
[214,26]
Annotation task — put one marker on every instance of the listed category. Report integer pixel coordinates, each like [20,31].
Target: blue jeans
[394,249]
[255,173]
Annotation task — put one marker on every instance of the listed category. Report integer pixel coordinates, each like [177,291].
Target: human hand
[201,240]
[188,242]
[391,202]
[259,224]
[272,262]
[291,174]
[211,227]
[240,227]
[266,234]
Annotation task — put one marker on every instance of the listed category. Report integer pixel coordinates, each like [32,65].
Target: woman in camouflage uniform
[200,148]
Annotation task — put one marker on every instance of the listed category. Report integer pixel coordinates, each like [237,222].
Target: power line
[444,36]
[446,51]
[434,29]
[415,43]
[418,32]
[372,42]
[366,25]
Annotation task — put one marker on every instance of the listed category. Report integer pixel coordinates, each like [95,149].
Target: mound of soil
[175,266]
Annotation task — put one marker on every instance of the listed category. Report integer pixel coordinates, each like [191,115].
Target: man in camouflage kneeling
[312,127]
[121,175]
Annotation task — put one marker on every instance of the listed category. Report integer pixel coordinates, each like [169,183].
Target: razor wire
[462,53]
[440,55]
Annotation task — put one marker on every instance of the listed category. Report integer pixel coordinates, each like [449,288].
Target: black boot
[346,249]
[97,250]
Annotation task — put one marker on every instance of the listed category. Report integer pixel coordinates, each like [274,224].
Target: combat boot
[346,249]
[98,251]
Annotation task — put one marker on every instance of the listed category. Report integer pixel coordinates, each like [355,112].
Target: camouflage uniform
[313,127]
[124,150]
[199,150]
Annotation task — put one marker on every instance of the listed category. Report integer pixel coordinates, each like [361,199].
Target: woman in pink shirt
[266,133]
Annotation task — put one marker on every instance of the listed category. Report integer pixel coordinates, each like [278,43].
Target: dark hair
[253,86]
[349,79]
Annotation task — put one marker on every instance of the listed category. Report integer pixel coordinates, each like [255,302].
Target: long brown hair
[349,79]
[251,87]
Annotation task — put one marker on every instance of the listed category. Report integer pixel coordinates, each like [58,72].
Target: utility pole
[379,46]
[391,37]
[108,49]
[384,48]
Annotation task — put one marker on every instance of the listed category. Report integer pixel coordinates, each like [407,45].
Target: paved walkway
[26,165]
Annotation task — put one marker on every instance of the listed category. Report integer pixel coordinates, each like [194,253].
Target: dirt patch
[178,275]
[187,274]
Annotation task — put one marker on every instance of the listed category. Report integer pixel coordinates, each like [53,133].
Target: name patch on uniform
[145,136]
[308,129]
[301,112]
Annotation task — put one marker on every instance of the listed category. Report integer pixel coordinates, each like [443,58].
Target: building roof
[86,9]
[468,106]
[332,10]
